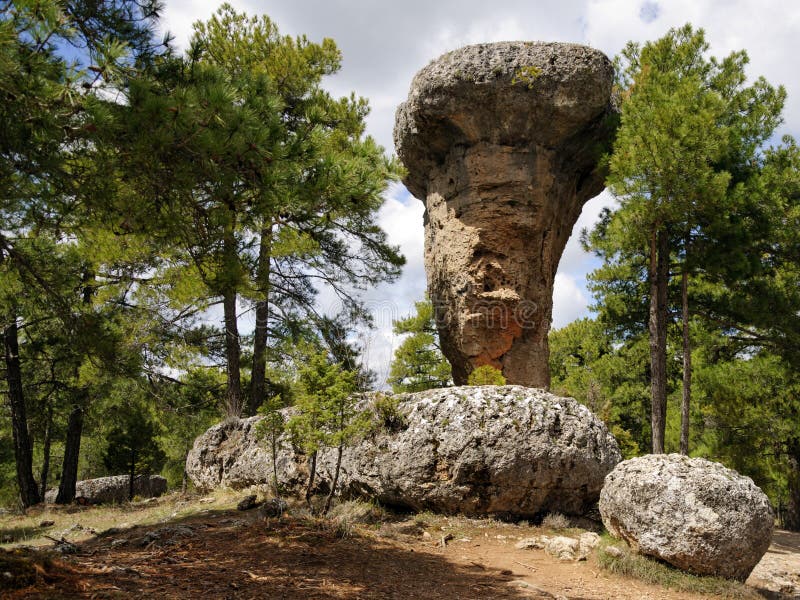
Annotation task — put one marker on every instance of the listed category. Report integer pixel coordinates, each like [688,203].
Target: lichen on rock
[501,450]
[690,512]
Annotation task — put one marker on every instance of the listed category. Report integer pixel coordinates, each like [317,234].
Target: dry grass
[78,523]
[556,522]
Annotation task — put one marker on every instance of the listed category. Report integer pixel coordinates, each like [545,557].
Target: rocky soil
[218,552]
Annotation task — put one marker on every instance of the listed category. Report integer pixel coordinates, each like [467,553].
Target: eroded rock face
[690,512]
[115,489]
[475,450]
[501,142]
[230,454]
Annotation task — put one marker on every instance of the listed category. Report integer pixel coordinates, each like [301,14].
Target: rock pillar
[502,143]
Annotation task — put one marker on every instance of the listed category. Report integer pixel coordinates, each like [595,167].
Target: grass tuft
[358,511]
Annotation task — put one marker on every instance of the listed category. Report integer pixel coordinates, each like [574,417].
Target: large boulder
[502,143]
[115,489]
[690,512]
[507,450]
[232,455]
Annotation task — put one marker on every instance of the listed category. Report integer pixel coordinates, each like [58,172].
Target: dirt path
[226,554]
[779,570]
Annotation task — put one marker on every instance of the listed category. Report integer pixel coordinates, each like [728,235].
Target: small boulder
[562,547]
[694,514]
[586,543]
[247,503]
[531,543]
[275,507]
[114,489]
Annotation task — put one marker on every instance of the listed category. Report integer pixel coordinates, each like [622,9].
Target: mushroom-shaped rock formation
[502,142]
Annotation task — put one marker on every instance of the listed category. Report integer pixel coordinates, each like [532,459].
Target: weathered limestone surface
[690,512]
[504,450]
[115,489]
[501,142]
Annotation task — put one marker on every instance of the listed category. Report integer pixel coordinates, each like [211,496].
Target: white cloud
[569,302]
[401,218]
[574,260]
[769,30]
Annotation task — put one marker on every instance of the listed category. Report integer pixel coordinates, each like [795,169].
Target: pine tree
[49,118]
[418,362]
[266,183]
[133,448]
[689,129]
[327,414]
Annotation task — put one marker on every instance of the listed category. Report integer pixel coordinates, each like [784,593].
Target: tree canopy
[686,164]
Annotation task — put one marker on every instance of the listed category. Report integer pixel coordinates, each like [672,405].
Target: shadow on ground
[230,555]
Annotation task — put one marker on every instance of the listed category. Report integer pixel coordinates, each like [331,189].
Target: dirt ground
[231,554]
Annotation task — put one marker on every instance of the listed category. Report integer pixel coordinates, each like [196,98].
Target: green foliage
[185,408]
[696,189]
[746,410]
[8,476]
[326,405]
[387,412]
[132,445]
[486,375]
[58,62]
[418,363]
[264,184]
[270,429]
[751,421]
[138,187]
[328,414]
[608,376]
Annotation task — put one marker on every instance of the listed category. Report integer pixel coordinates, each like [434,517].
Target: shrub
[555,521]
[387,412]
[486,375]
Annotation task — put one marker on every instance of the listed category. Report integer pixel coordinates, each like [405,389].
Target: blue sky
[385,43]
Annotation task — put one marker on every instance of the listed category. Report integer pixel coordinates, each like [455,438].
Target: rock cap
[505,93]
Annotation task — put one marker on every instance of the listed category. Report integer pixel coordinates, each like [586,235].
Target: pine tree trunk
[233,351]
[792,519]
[185,476]
[335,480]
[72,448]
[659,280]
[23,451]
[48,434]
[131,475]
[258,377]
[687,363]
[233,394]
[312,473]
